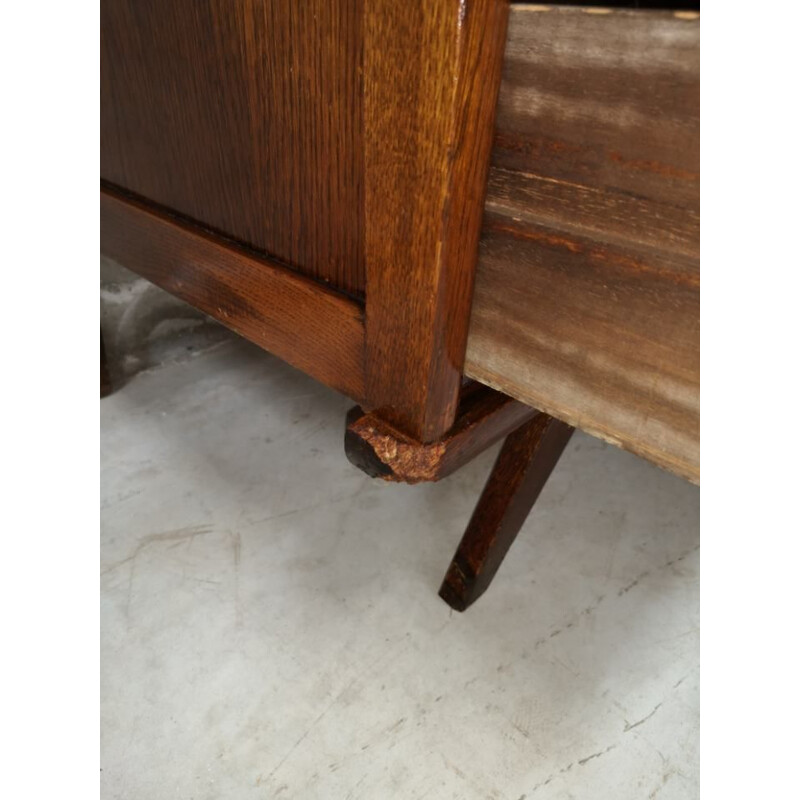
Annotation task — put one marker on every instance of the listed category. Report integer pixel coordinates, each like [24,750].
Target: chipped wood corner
[382,451]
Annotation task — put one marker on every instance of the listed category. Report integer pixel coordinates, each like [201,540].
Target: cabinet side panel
[245,116]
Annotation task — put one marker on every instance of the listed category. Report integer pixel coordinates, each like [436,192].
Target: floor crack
[630,726]
[596,755]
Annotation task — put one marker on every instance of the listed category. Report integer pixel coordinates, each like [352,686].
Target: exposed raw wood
[431,74]
[587,290]
[246,117]
[314,329]
[524,464]
[484,417]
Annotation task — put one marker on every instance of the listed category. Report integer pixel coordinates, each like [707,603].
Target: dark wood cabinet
[364,187]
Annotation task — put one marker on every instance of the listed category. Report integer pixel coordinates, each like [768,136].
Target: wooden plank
[245,117]
[316,330]
[431,72]
[587,289]
[607,100]
[484,417]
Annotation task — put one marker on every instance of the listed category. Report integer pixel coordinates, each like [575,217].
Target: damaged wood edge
[382,451]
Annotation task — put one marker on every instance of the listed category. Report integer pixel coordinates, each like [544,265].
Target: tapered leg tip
[452,597]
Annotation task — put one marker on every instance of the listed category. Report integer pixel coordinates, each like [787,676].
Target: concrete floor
[270,622]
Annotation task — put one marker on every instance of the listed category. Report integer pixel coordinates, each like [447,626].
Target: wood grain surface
[431,74]
[587,290]
[245,117]
[316,330]
[347,140]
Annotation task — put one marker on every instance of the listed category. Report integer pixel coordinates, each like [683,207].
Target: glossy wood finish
[525,462]
[484,417]
[318,331]
[245,117]
[588,284]
[431,73]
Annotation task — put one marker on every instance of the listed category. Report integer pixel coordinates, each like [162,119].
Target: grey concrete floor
[270,622]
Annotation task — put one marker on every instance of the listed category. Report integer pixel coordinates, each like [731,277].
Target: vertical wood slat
[431,77]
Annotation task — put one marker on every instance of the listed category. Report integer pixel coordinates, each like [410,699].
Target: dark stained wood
[587,291]
[431,72]
[524,464]
[105,380]
[316,330]
[245,117]
[484,417]
[347,140]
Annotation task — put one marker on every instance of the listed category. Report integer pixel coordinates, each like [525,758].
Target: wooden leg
[526,460]
[105,380]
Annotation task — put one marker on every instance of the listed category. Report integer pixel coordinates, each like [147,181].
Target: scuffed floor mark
[586,612]
[476,789]
[608,749]
[688,674]
[455,770]
[397,725]
[523,731]
[552,777]
[301,509]
[646,573]
[180,534]
[629,726]
[632,584]
[389,656]
[664,778]
[177,535]
[580,762]
[589,610]
[121,498]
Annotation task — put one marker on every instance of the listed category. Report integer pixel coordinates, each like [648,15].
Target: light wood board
[587,292]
